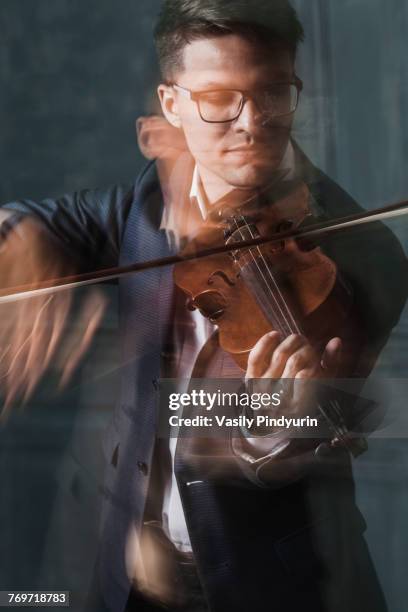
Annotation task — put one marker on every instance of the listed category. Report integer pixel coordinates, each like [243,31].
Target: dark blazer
[298,546]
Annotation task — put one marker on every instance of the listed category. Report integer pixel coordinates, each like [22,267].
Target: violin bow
[312,231]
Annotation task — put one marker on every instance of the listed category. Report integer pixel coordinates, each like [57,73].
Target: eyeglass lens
[218,106]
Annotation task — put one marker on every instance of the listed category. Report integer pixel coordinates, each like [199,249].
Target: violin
[302,235]
[252,267]
[285,286]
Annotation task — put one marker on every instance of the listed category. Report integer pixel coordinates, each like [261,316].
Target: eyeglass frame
[245,93]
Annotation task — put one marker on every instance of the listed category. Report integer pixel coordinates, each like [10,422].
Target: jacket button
[143,467]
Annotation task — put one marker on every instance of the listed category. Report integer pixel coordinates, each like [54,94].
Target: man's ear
[167,97]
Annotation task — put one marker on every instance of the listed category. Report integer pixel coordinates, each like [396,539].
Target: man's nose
[251,118]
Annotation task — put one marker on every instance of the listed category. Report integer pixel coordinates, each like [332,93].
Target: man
[264,539]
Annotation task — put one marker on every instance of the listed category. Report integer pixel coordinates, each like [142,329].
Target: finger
[7,331]
[260,355]
[4,350]
[18,337]
[46,333]
[92,315]
[37,346]
[29,345]
[304,400]
[27,364]
[15,389]
[308,373]
[13,373]
[331,357]
[303,358]
[61,311]
[5,410]
[282,353]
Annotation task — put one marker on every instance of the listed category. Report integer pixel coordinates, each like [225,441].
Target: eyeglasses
[225,105]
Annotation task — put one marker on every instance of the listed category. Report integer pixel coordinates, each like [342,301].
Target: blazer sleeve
[88,224]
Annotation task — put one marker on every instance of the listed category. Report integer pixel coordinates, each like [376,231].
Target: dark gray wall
[72,80]
[353,118]
[74,75]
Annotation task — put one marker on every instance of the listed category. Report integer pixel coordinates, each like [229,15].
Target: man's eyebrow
[278,77]
[213,85]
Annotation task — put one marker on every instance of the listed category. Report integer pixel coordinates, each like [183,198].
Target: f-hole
[223,276]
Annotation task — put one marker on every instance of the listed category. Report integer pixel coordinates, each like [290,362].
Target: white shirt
[174,523]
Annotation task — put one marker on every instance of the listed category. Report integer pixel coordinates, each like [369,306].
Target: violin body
[278,286]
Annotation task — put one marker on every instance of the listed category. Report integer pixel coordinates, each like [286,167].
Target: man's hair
[180,22]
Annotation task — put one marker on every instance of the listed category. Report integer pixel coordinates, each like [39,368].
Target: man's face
[241,153]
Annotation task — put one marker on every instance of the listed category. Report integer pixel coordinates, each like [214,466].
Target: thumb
[331,357]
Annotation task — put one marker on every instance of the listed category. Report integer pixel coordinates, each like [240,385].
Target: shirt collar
[198,196]
[197,202]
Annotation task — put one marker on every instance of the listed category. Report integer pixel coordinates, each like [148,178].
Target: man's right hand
[31,329]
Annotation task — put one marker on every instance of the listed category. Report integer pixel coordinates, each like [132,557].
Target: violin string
[285,326]
[286,322]
[295,328]
[292,325]
[281,328]
[338,428]
[288,318]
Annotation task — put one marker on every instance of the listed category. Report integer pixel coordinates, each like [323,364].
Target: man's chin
[250,178]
